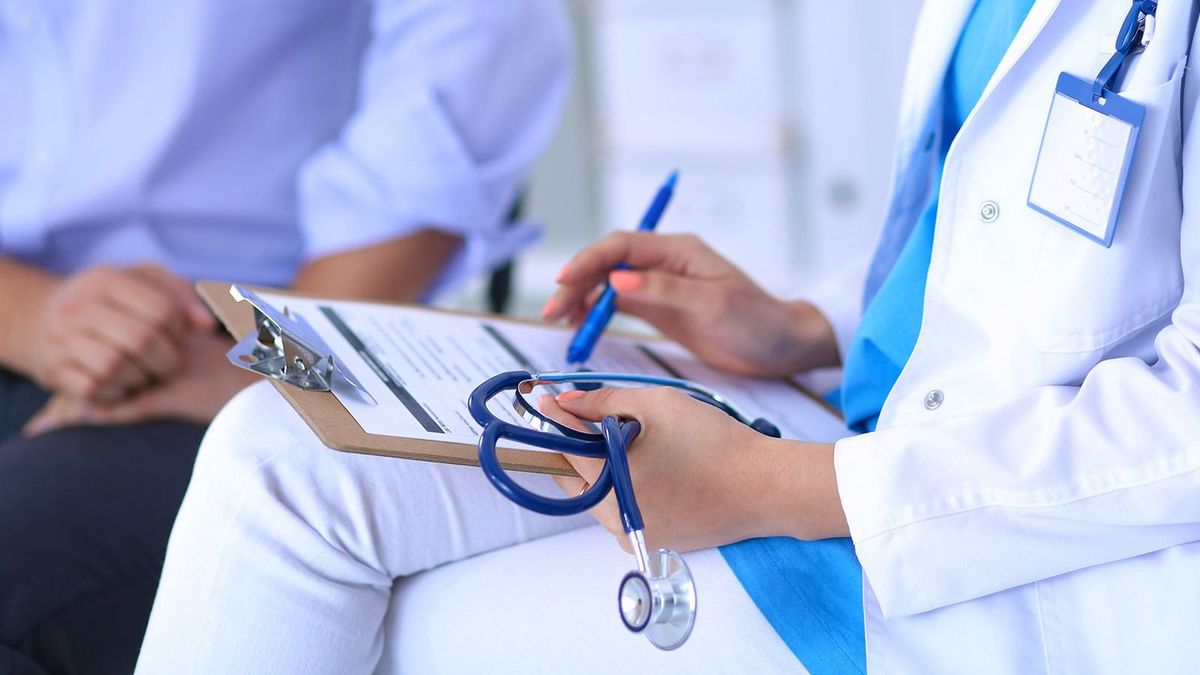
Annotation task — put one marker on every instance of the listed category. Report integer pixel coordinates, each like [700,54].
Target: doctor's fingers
[587,467]
[645,404]
[649,293]
[683,254]
[606,513]
[549,407]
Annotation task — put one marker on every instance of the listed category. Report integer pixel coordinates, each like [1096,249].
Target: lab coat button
[989,211]
[933,400]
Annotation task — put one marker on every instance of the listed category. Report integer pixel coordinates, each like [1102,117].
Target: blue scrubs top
[811,592]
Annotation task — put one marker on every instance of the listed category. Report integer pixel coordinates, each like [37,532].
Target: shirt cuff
[880,553]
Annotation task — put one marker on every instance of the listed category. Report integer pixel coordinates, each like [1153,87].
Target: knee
[255,425]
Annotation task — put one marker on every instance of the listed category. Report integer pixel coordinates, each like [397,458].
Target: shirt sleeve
[456,100]
[1057,480]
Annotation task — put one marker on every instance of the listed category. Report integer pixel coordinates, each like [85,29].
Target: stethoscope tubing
[669,584]
[698,391]
[610,445]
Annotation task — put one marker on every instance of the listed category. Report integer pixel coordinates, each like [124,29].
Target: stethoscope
[659,597]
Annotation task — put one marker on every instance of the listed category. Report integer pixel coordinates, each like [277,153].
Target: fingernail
[562,273]
[569,396]
[625,281]
[549,308]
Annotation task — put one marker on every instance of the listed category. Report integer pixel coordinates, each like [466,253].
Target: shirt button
[933,400]
[989,211]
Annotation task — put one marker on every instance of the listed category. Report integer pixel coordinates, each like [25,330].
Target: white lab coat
[1041,511]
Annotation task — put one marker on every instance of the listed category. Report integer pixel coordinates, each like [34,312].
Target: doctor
[1023,498]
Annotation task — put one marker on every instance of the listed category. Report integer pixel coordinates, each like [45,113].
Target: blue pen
[602,312]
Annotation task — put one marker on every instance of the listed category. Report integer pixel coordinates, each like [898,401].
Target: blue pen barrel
[580,349]
[601,313]
[659,205]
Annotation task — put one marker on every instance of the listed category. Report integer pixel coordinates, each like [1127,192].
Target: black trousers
[85,513]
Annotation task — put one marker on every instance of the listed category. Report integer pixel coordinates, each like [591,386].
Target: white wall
[779,113]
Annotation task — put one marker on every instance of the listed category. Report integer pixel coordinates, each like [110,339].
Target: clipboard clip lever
[284,347]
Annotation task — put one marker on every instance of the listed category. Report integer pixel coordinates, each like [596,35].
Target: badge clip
[1136,32]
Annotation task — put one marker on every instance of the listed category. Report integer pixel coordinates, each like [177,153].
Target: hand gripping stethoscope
[659,598]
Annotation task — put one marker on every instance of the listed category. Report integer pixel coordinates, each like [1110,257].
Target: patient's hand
[205,382]
[106,331]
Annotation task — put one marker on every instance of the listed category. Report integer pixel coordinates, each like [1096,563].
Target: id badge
[1083,163]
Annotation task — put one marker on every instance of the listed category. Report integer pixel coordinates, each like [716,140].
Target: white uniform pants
[291,558]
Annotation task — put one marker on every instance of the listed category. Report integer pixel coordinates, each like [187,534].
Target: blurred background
[780,115]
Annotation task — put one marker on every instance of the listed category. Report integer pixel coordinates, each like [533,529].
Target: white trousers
[291,558]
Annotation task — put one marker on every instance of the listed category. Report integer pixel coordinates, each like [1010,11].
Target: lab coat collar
[938,29]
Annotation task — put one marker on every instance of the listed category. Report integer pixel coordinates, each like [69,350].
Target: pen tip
[671,179]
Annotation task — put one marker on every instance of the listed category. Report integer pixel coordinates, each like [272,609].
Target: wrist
[797,493]
[810,336]
[28,292]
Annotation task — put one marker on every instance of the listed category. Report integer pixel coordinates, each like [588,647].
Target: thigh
[20,398]
[549,606]
[85,513]
[285,552]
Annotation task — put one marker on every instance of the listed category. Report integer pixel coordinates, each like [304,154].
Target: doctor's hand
[107,331]
[703,479]
[204,383]
[697,298]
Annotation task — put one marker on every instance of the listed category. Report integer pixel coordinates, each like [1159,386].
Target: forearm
[398,270]
[24,291]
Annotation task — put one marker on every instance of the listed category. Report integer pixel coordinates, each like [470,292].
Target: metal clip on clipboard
[284,347]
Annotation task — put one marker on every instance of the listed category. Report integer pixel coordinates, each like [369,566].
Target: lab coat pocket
[1085,297]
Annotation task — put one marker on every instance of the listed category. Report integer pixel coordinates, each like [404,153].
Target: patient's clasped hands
[122,345]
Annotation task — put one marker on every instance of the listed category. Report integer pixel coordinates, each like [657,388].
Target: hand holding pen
[693,295]
[602,312]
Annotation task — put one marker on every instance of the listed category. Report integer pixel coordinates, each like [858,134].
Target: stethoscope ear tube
[550,506]
[763,426]
[618,438]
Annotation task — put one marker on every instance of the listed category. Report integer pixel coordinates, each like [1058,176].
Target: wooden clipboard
[337,428]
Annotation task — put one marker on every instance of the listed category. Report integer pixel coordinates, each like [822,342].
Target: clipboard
[337,429]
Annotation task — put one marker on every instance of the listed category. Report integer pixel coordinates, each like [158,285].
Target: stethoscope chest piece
[659,597]
[661,604]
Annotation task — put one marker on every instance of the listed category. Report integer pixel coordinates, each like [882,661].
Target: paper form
[421,366]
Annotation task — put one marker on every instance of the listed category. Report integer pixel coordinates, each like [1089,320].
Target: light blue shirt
[239,139]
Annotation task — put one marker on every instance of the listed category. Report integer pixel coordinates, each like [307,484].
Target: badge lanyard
[1087,147]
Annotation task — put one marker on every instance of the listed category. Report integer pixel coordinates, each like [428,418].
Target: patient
[357,149]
